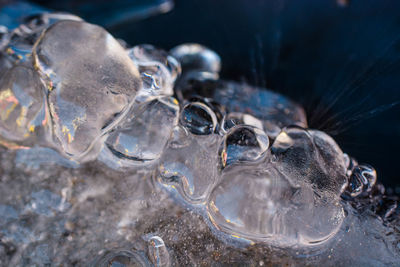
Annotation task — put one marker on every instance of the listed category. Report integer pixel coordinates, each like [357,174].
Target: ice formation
[130,158]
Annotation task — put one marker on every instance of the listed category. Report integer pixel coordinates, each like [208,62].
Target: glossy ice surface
[102,166]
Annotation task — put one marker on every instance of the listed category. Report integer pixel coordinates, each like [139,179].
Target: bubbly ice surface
[158,69]
[196,57]
[22,105]
[144,133]
[98,75]
[103,167]
[242,144]
[287,198]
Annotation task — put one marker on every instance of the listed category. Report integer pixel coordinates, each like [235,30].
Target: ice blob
[194,146]
[23,112]
[289,199]
[91,82]
[142,136]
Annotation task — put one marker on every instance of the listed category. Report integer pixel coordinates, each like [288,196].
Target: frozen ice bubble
[157,68]
[157,252]
[311,156]
[190,167]
[144,133]
[86,71]
[356,185]
[200,65]
[362,179]
[259,204]
[242,143]
[218,110]
[198,118]
[22,106]
[182,165]
[196,57]
[121,258]
[237,118]
[290,198]
[350,164]
[274,110]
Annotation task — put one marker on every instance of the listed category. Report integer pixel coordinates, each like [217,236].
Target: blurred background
[339,59]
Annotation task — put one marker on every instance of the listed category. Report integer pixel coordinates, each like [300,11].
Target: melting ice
[135,156]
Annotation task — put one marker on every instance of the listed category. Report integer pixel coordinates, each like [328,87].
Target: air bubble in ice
[198,118]
[237,118]
[355,186]
[196,57]
[157,68]
[242,143]
[22,105]
[143,134]
[363,178]
[200,66]
[182,166]
[157,252]
[291,198]
[313,156]
[274,110]
[86,70]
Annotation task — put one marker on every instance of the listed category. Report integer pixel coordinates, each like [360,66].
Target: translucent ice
[200,67]
[86,70]
[198,118]
[254,190]
[157,68]
[291,198]
[22,107]
[362,179]
[144,133]
[241,144]
[22,39]
[237,118]
[196,57]
[274,110]
[198,64]
[34,157]
[181,166]
[158,253]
